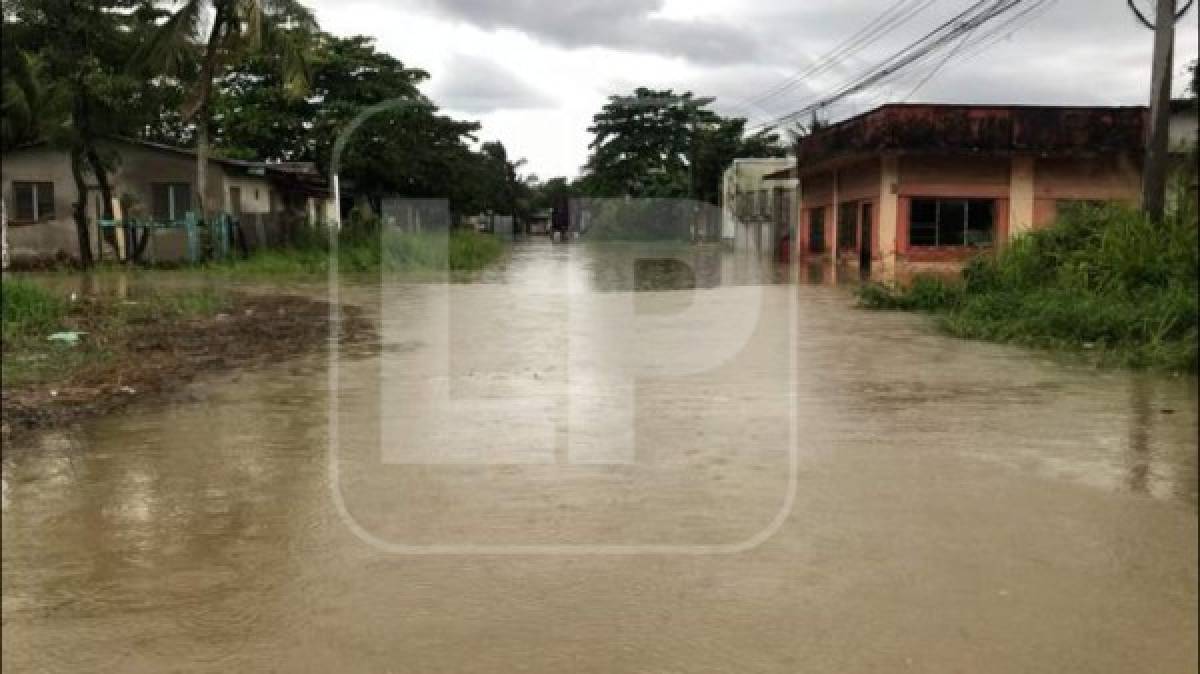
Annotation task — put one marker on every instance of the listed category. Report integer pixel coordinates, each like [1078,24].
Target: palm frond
[171,45]
[21,95]
[289,31]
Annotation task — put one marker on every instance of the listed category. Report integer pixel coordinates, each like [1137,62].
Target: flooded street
[613,459]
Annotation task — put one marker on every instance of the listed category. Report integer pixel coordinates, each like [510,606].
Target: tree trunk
[80,210]
[201,198]
[208,71]
[98,170]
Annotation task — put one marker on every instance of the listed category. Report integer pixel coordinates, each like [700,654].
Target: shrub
[1102,278]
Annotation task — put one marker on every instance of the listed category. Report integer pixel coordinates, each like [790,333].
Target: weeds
[1102,279]
[29,310]
[364,248]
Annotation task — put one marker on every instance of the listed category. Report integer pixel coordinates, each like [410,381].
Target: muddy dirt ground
[155,358]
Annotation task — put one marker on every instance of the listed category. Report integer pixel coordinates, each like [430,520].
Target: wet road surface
[583,462]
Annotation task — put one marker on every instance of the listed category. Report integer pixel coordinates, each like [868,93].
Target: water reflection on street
[958,506]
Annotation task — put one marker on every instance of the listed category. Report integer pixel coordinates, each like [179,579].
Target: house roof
[238,163]
[297,175]
[976,129]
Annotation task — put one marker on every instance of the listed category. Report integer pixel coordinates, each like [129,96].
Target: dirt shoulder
[144,359]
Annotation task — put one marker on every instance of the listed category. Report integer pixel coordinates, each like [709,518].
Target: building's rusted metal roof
[978,129]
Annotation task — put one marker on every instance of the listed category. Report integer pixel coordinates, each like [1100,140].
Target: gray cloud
[1096,54]
[618,24]
[475,85]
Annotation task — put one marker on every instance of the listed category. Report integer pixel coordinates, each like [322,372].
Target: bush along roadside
[1103,280]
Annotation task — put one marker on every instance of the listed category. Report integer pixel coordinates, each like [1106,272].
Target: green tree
[21,94]
[256,118]
[218,34]
[664,144]
[719,144]
[642,144]
[407,150]
[552,193]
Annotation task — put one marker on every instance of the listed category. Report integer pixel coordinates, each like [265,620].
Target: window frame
[174,211]
[36,187]
[937,227]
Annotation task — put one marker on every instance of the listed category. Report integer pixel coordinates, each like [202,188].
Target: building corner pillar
[1020,196]
[889,210]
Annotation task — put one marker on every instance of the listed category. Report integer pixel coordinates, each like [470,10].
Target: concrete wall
[255,195]
[55,237]
[1098,179]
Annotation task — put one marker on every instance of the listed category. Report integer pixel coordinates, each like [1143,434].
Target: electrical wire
[962,24]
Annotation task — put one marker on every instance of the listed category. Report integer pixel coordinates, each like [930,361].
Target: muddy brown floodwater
[583,462]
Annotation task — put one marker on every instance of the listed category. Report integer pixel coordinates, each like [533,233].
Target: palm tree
[21,95]
[217,33]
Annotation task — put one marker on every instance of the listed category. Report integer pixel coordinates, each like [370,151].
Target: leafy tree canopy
[659,143]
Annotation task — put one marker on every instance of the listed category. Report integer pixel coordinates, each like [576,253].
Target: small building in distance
[921,185]
[540,221]
[756,209]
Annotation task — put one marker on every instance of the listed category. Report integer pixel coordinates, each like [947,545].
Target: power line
[890,19]
[963,23]
[1015,24]
[940,64]
[988,38]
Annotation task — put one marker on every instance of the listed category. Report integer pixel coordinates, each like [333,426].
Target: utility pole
[1154,169]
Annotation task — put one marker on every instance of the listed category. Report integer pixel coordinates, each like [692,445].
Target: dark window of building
[33,202]
[816,230]
[951,222]
[922,222]
[171,200]
[847,226]
[981,221]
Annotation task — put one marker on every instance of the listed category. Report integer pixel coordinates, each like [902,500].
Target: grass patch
[29,310]
[366,250]
[1103,280]
[31,313]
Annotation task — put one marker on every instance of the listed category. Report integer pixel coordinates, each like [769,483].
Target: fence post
[189,221]
[221,225]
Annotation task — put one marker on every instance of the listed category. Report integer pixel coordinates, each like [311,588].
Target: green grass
[1102,280]
[29,310]
[368,252]
[31,313]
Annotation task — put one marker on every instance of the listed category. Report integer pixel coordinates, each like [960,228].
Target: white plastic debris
[66,337]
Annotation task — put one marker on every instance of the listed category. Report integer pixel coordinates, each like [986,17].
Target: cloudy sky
[534,71]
